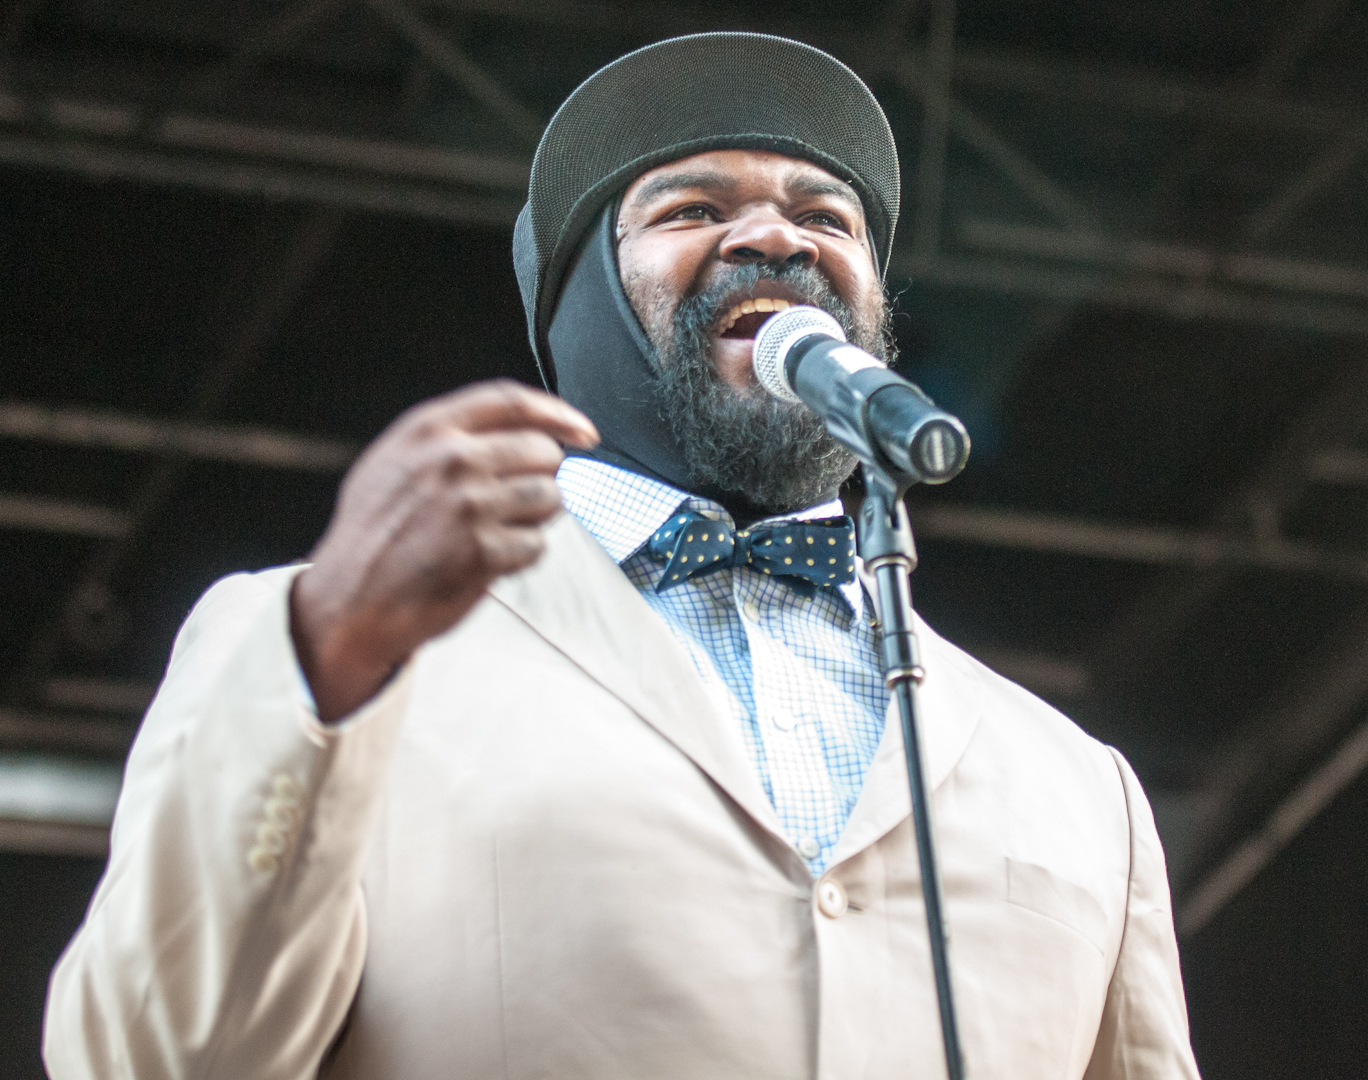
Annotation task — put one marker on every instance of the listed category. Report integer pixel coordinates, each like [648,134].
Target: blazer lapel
[949,706]
[578,600]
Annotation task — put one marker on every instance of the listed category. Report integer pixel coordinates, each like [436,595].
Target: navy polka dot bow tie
[818,552]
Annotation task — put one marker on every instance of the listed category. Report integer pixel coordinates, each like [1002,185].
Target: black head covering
[671,100]
[603,357]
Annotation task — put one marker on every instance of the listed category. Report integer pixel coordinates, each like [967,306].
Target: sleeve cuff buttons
[282,814]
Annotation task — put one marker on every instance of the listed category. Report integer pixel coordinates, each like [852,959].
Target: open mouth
[745,319]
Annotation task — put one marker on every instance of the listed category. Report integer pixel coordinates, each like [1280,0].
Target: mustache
[697,315]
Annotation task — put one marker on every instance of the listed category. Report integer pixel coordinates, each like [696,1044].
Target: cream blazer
[541,852]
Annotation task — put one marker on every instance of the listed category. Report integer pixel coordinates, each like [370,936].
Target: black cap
[685,96]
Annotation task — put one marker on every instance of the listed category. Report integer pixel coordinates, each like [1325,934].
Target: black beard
[777,455]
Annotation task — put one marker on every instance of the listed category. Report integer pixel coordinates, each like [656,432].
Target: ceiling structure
[1133,257]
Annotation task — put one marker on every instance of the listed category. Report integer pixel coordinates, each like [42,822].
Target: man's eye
[824,220]
[693,213]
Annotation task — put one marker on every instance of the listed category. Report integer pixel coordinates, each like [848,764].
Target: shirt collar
[622,509]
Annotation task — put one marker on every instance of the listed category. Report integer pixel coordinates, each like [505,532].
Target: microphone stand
[887,548]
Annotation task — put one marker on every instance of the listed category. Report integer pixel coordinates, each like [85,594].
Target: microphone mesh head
[778,335]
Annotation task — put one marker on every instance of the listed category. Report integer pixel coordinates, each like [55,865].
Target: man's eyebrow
[811,186]
[695,181]
[797,187]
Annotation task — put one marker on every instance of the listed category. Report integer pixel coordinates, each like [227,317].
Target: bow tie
[818,552]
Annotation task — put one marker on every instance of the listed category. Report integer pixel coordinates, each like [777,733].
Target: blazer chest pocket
[1046,893]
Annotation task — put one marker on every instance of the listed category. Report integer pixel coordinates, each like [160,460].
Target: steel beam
[1294,197]
[1291,816]
[271,39]
[98,695]
[1339,467]
[1146,545]
[25,837]
[24,729]
[397,192]
[1108,88]
[457,66]
[935,120]
[99,139]
[273,297]
[410,161]
[1177,260]
[241,445]
[1305,713]
[993,148]
[31,513]
[1154,621]
[1162,295]
[1116,88]
[1298,722]
[41,787]
[56,806]
[1281,62]
[256,180]
[84,118]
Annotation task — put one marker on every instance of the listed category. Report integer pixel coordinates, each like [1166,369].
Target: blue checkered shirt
[798,675]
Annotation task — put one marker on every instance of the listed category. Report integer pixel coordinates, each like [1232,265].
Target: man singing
[579,768]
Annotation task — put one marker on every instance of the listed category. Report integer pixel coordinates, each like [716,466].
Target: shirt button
[751,611]
[831,898]
[785,720]
[287,787]
[808,848]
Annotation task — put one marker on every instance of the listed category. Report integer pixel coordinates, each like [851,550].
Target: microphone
[801,355]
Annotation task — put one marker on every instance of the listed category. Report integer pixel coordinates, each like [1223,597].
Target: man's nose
[768,236]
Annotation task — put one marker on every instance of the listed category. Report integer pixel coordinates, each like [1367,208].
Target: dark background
[236,240]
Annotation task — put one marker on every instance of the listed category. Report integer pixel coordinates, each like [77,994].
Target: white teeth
[748,307]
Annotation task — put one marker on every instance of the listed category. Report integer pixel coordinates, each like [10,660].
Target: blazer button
[281,812]
[270,839]
[831,898]
[262,861]
[287,788]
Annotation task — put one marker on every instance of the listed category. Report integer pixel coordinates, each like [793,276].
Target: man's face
[700,240]
[686,226]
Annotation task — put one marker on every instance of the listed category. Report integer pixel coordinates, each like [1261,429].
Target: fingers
[526,500]
[451,497]
[517,502]
[504,405]
[507,549]
[531,500]
[497,454]
[494,527]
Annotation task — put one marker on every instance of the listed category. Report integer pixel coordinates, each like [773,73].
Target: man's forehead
[723,171]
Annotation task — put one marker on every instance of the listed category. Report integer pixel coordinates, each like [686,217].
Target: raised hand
[450,496]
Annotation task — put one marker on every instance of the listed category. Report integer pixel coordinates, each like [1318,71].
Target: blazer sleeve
[1144,1029]
[227,935]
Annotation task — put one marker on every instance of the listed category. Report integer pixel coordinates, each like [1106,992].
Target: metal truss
[89,605]
[1074,248]
[1077,261]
